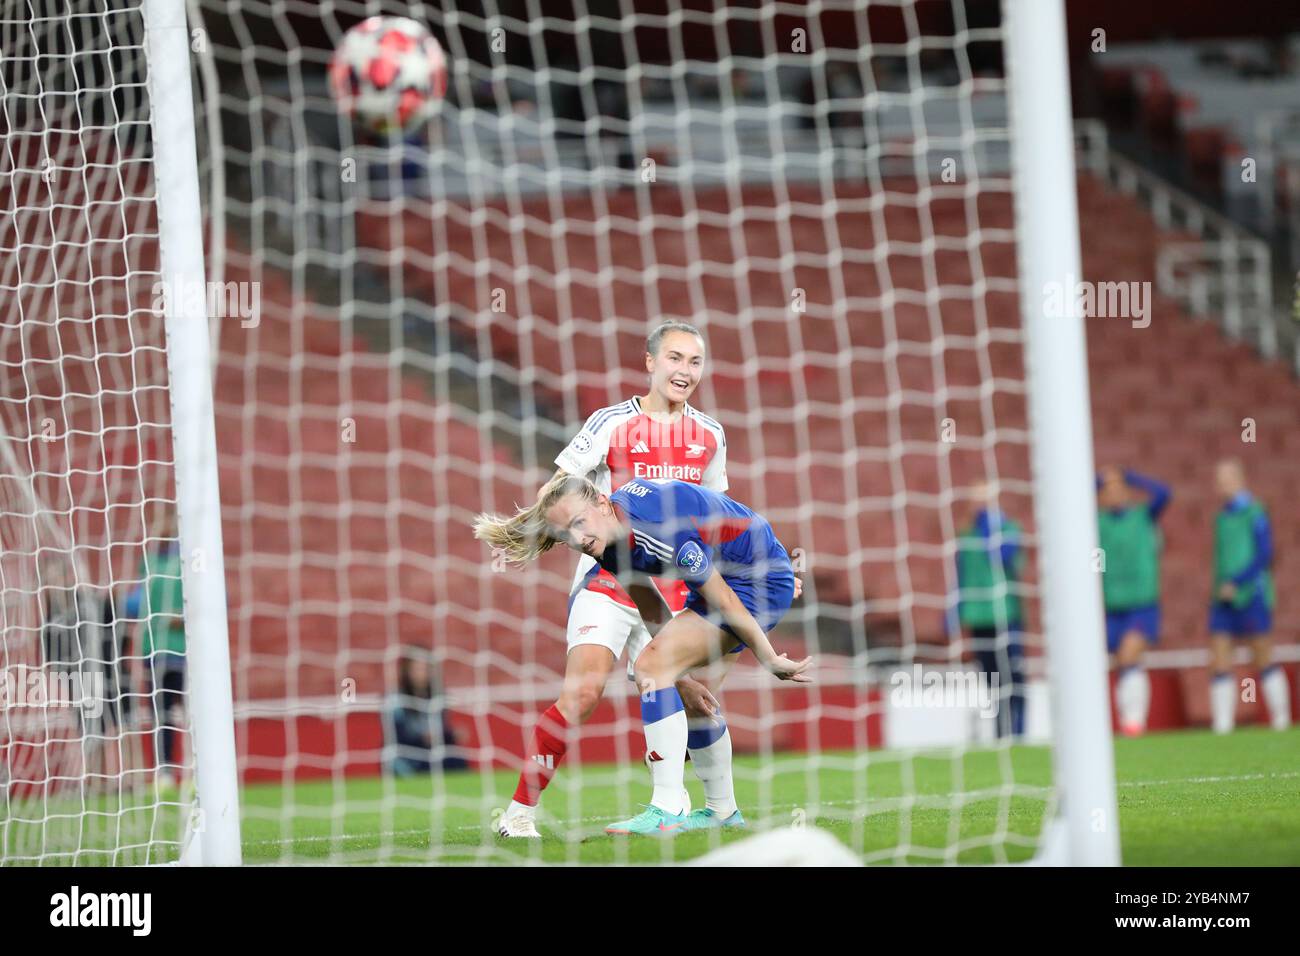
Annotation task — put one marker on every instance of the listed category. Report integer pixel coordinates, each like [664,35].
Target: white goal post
[198,498]
[1057,368]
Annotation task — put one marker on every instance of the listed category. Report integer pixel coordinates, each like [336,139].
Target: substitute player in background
[1242,603]
[657,436]
[990,560]
[1130,540]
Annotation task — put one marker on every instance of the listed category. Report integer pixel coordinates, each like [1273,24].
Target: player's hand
[697,698]
[786,669]
[798,586]
[1227,591]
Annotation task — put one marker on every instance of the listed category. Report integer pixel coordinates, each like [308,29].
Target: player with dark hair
[1129,506]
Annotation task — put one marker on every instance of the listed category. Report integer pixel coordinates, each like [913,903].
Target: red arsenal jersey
[623,442]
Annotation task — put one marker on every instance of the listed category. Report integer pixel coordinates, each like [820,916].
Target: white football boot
[519,824]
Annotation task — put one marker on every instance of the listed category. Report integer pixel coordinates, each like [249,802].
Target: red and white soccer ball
[388,74]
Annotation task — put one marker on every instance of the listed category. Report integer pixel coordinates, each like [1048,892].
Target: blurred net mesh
[824,192]
[86,480]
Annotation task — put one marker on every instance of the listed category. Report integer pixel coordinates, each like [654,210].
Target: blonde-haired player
[740,581]
[1242,604]
[657,436]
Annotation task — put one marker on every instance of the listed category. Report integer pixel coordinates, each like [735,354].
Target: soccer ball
[388,74]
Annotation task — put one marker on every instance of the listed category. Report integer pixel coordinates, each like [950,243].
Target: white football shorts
[595,619]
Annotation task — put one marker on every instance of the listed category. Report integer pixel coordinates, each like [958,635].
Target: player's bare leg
[586,672]
[1133,687]
[1223,684]
[1272,681]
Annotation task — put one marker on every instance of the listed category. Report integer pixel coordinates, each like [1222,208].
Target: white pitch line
[569,822]
[1230,778]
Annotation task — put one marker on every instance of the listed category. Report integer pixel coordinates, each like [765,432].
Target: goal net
[405,332]
[87,489]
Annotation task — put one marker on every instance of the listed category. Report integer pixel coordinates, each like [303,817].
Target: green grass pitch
[1185,798]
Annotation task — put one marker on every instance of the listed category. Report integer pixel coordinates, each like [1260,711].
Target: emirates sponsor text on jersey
[680,472]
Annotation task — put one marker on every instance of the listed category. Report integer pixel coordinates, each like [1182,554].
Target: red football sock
[543,756]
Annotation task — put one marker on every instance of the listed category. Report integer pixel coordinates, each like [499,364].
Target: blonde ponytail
[524,536]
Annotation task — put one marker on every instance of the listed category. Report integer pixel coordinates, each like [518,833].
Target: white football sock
[665,742]
[710,748]
[1278,695]
[1133,694]
[1223,702]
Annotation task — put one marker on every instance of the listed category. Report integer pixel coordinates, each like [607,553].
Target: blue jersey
[681,530]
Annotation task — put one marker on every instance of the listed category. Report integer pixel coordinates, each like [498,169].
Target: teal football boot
[650,822]
[706,819]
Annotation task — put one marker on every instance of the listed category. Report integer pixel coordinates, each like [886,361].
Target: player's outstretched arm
[717,592]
